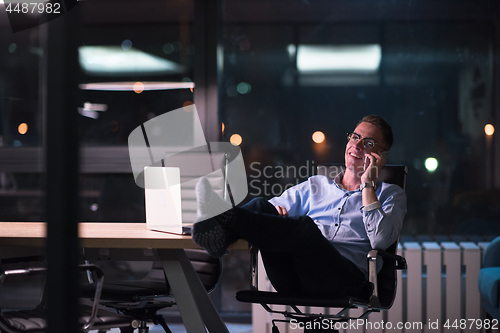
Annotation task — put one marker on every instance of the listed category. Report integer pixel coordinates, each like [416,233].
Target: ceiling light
[131,86]
[114,60]
[316,59]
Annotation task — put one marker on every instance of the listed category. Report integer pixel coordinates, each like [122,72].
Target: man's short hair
[383,126]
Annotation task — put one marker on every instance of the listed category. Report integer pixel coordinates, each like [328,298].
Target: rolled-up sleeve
[384,220]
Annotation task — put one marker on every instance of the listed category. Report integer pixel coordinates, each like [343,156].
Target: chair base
[145,312]
[36,321]
[269,297]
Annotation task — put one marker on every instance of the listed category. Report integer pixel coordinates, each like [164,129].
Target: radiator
[437,293]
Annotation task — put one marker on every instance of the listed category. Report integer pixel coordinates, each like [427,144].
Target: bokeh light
[245,44]
[318,137]
[243,88]
[431,164]
[126,45]
[168,48]
[489,129]
[22,128]
[186,104]
[138,87]
[236,139]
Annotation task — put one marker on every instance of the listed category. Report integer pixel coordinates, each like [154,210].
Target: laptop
[162,187]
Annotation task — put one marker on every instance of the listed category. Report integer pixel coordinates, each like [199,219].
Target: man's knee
[260,205]
[308,227]
[260,201]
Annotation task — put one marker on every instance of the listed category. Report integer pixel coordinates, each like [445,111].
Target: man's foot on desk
[208,203]
[211,236]
[211,231]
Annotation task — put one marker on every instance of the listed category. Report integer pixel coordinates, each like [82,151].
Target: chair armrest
[400,263]
[25,261]
[372,278]
[254,267]
[98,290]
[85,267]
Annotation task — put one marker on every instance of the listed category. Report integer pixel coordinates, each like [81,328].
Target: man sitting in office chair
[314,238]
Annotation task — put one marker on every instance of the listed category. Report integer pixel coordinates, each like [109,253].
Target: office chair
[384,283]
[91,317]
[489,280]
[143,298]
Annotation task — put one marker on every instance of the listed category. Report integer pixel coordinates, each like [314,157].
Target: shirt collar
[338,180]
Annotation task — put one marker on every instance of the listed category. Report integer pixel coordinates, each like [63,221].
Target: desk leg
[195,306]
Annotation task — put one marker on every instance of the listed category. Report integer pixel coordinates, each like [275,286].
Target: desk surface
[101,235]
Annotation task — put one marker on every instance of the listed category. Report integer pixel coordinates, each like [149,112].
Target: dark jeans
[297,257]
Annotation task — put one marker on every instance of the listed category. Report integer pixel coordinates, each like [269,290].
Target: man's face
[355,151]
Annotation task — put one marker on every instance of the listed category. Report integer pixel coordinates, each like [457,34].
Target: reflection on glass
[338,58]
[117,61]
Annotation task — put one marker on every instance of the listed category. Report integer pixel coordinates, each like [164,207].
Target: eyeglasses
[368,143]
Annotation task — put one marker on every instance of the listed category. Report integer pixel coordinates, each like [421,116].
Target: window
[430,77]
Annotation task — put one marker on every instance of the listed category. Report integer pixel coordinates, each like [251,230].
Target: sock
[211,236]
[209,204]
[213,217]
[225,218]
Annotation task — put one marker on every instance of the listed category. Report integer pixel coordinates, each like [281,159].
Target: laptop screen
[163,199]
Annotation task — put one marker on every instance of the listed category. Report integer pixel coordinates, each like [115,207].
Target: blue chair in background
[489,279]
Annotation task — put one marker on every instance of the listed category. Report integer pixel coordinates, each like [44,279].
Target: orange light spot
[318,137]
[489,129]
[236,140]
[186,105]
[138,87]
[22,128]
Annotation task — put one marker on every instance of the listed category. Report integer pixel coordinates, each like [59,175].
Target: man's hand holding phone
[373,164]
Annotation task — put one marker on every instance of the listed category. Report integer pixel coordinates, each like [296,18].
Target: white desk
[196,309]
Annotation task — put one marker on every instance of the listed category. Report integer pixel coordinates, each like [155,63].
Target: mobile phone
[367,161]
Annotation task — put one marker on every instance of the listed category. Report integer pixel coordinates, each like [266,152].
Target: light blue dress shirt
[339,214]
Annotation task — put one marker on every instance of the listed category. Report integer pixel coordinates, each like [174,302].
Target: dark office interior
[430,68]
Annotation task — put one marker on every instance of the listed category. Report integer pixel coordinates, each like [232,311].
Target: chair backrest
[386,278]
[491,256]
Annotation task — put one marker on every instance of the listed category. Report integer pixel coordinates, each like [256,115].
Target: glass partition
[292,79]
[431,79]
